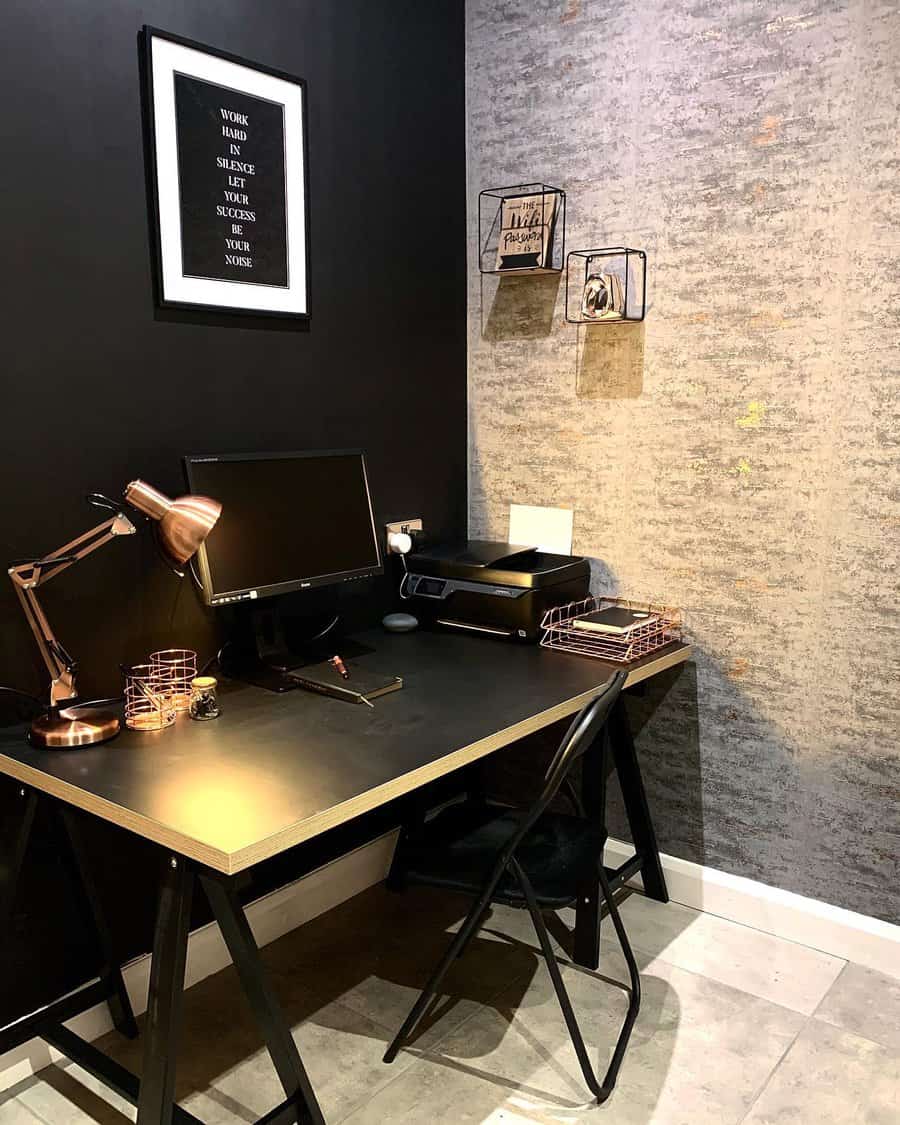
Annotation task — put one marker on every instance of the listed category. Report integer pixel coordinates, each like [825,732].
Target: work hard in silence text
[237,205]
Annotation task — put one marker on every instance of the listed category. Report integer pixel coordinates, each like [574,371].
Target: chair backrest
[585,727]
[580,736]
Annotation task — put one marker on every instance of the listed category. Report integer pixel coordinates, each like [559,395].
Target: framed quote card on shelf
[227,158]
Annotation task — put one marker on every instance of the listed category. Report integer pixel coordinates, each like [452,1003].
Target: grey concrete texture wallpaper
[738,453]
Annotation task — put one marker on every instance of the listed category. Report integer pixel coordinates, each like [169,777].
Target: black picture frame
[201,299]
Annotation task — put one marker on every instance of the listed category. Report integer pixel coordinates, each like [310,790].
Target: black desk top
[275,770]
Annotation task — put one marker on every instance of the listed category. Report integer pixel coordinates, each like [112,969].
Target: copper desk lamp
[182,525]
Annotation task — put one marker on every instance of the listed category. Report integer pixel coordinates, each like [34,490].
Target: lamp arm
[59,664]
[27,576]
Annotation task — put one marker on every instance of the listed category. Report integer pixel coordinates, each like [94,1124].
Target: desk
[276,770]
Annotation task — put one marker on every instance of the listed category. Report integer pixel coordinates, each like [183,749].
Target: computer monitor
[290,521]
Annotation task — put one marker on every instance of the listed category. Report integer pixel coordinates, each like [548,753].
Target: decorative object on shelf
[606,285]
[148,703]
[176,669]
[603,297]
[204,701]
[227,158]
[526,231]
[181,526]
[522,229]
[561,629]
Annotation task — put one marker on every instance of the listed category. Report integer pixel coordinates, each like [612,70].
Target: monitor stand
[264,657]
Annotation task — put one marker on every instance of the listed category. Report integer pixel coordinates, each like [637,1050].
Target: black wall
[98,388]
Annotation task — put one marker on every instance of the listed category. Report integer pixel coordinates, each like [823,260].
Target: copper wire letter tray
[560,632]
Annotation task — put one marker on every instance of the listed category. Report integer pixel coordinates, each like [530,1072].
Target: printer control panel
[427,587]
[423,586]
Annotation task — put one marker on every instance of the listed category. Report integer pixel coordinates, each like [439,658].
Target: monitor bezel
[219,597]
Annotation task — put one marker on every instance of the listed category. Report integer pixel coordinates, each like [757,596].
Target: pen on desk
[340,666]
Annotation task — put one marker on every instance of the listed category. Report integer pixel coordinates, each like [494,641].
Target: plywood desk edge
[231,863]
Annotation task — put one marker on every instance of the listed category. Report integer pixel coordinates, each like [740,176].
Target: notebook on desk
[362,686]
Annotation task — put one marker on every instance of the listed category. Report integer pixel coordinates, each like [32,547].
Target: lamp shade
[184,523]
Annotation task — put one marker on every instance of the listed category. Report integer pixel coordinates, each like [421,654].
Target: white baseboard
[270,917]
[831,929]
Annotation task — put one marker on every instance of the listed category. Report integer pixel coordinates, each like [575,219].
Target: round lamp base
[72,727]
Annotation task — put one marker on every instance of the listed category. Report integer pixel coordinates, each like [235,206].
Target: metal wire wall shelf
[606,286]
[560,632]
[545,253]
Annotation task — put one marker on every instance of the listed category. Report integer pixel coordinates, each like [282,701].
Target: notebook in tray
[614,621]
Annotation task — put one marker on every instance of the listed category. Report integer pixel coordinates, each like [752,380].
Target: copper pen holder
[148,705]
[175,668]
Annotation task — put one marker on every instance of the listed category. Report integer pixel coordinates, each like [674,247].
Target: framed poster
[228,180]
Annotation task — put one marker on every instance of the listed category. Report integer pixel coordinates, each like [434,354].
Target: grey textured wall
[738,454]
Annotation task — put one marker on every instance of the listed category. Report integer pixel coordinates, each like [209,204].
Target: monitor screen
[289,521]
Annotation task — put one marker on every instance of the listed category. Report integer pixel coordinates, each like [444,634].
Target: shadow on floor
[355,972]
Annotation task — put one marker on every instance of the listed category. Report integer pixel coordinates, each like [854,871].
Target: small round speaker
[400,622]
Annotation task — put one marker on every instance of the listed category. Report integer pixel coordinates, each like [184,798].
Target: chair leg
[482,918]
[601,1092]
[456,948]
[556,977]
[634,1002]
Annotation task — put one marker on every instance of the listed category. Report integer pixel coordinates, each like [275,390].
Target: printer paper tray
[489,630]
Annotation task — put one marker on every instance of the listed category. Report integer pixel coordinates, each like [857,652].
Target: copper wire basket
[148,703]
[175,668]
[561,633]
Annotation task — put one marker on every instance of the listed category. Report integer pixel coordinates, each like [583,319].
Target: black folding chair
[527,858]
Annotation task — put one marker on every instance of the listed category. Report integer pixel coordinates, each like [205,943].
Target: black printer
[497,589]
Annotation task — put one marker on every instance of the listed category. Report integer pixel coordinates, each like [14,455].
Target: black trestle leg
[28,808]
[164,1002]
[456,948]
[634,797]
[277,1033]
[73,855]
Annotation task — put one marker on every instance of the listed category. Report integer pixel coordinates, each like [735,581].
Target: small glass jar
[204,703]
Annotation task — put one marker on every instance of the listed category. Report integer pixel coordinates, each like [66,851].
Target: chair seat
[458,848]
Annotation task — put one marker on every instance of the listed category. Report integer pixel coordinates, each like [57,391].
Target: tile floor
[735,1026]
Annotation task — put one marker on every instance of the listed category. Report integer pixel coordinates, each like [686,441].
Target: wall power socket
[400,525]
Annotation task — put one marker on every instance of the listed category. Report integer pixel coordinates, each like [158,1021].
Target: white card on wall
[548,529]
